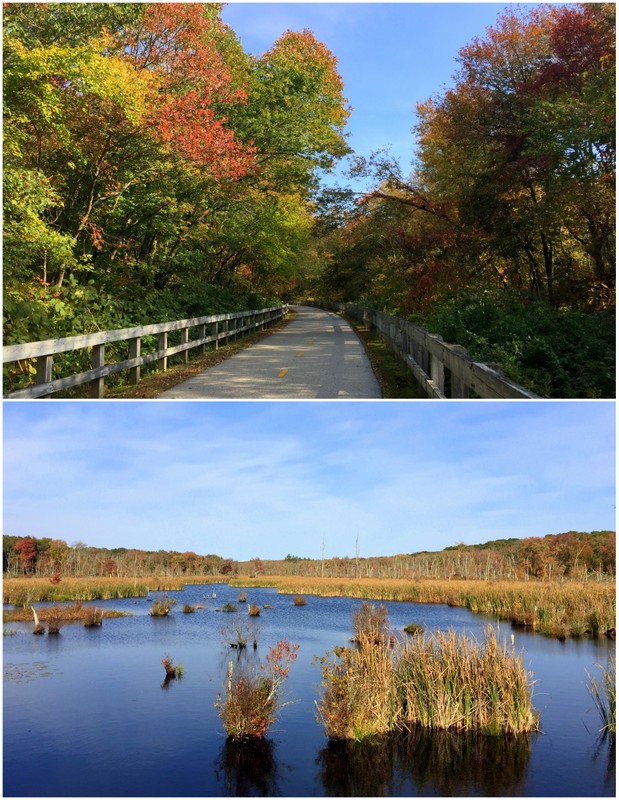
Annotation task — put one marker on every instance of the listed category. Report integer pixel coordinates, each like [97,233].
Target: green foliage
[502,239]
[554,353]
[151,176]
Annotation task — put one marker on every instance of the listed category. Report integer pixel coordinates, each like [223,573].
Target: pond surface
[87,713]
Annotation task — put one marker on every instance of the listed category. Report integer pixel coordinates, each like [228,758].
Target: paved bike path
[316,356]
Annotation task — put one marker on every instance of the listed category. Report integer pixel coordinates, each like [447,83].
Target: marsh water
[87,712]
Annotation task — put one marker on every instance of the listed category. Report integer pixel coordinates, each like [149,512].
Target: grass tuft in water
[605,697]
[162,606]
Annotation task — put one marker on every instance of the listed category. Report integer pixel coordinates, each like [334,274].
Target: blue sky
[245,479]
[390,55]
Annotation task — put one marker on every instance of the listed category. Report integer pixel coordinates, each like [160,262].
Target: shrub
[242,598]
[253,611]
[299,600]
[251,700]
[187,609]
[238,633]
[554,353]
[413,628]
[229,607]
[172,670]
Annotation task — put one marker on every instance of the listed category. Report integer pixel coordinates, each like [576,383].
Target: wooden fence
[443,370]
[207,330]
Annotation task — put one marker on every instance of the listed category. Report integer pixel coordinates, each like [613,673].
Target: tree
[27,551]
[147,157]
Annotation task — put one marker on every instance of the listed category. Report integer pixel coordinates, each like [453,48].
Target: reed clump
[359,697]
[370,624]
[299,600]
[162,606]
[605,697]
[448,681]
[189,609]
[253,611]
[439,681]
[92,617]
[53,626]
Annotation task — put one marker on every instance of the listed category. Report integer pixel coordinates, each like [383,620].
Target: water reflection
[606,753]
[443,763]
[247,768]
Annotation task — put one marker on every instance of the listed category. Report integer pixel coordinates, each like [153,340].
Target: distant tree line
[46,557]
[565,556]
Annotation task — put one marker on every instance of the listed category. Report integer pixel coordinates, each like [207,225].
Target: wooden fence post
[459,388]
[45,365]
[98,360]
[163,346]
[135,351]
[185,340]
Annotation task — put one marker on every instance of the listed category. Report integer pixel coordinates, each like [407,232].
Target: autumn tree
[148,159]
[27,551]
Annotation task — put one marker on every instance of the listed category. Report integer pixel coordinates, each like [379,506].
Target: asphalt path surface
[316,356]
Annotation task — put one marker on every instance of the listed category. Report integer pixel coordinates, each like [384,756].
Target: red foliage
[179,42]
[284,653]
[26,548]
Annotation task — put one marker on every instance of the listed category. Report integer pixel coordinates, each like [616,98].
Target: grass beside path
[154,383]
[395,379]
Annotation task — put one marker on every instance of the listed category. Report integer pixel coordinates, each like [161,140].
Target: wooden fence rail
[443,370]
[211,329]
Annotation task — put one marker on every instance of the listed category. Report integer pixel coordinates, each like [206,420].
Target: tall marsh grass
[555,609]
[440,681]
[448,681]
[605,697]
[23,591]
